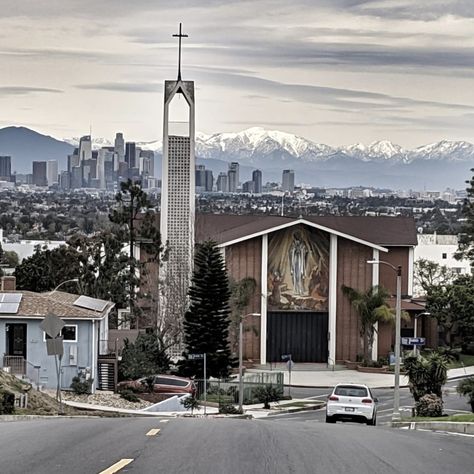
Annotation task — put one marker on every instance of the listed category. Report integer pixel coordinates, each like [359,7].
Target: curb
[7,418]
[444,426]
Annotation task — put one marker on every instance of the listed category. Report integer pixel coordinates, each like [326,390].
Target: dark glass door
[16,340]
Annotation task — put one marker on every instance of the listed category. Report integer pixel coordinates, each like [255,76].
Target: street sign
[55,346]
[286,357]
[52,325]
[195,356]
[413,341]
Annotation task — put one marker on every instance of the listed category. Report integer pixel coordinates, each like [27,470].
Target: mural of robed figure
[298,275]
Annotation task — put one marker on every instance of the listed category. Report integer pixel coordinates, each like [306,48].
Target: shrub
[190,403]
[229,409]
[80,385]
[466,388]
[7,403]
[268,393]
[429,405]
[129,396]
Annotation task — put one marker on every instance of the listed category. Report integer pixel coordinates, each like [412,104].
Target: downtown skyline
[336,72]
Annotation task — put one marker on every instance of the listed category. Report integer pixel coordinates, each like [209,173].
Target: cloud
[25,90]
[323,95]
[141,87]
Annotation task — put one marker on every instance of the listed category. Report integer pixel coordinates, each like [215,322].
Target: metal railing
[21,367]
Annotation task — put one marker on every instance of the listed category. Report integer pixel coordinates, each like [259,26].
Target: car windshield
[350,391]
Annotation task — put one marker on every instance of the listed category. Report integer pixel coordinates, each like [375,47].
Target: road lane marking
[117,466]
[153,432]
[164,421]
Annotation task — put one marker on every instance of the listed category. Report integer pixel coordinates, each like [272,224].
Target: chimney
[8,283]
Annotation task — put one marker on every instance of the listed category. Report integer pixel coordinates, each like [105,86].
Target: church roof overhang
[302,222]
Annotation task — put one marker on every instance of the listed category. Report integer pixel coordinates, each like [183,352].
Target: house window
[444,256]
[69,333]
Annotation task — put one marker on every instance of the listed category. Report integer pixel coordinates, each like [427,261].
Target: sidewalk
[327,378]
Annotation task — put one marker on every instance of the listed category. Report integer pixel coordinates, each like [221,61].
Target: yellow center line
[153,432]
[117,466]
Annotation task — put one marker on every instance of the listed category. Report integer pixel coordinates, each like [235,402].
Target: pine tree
[206,323]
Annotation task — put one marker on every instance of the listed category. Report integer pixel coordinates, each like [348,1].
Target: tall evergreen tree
[206,323]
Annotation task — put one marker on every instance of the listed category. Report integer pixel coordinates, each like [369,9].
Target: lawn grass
[465,360]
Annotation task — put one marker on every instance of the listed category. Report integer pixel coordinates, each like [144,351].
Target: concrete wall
[36,351]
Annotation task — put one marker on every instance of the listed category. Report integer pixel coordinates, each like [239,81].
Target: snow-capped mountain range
[253,144]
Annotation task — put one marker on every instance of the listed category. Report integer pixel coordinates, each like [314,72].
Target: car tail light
[367,400]
[334,398]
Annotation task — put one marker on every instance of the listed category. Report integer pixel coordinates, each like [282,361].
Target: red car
[166,384]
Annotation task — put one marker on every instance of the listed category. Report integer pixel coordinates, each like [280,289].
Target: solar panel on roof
[9,308]
[90,303]
[11,297]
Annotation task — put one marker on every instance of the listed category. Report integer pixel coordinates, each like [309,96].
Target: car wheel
[372,421]
[330,419]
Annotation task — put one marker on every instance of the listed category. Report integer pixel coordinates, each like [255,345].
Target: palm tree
[372,307]
[426,374]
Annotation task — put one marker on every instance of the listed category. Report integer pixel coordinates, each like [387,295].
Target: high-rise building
[39,173]
[233,175]
[119,147]
[147,163]
[200,178]
[223,183]
[257,180]
[85,148]
[105,163]
[248,187]
[288,181]
[5,168]
[52,172]
[209,183]
[130,154]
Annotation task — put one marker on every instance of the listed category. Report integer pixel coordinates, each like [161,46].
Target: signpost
[201,356]
[52,326]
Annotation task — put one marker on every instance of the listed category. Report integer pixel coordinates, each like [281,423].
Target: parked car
[351,402]
[166,384]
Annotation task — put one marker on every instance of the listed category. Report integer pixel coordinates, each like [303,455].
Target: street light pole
[398,315]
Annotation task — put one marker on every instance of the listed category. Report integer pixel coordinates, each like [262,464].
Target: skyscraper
[178,187]
[257,180]
[5,168]
[288,181]
[39,173]
[52,172]
[119,147]
[233,175]
[223,183]
[130,154]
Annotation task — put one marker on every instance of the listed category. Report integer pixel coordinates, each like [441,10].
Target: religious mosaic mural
[298,269]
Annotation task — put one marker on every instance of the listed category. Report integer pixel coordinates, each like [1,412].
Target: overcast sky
[334,71]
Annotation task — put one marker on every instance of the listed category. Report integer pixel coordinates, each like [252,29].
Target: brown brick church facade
[300,266]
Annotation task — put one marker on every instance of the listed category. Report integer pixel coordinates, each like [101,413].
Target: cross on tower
[179,35]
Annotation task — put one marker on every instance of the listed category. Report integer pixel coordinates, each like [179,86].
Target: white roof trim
[305,222]
[68,318]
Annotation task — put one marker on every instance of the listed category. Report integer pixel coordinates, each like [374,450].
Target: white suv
[353,402]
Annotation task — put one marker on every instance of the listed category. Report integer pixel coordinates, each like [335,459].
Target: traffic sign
[413,341]
[52,325]
[55,346]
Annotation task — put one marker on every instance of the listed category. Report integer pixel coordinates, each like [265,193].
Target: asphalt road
[453,403]
[225,446]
